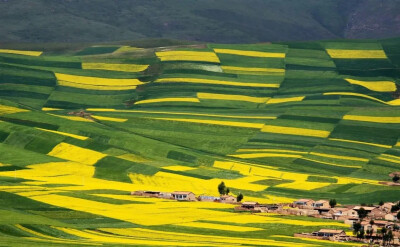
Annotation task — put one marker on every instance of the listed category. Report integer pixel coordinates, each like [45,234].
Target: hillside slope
[223,21]
[80,130]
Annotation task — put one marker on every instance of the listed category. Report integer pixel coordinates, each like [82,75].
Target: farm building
[208,198]
[228,199]
[321,204]
[303,203]
[328,233]
[184,196]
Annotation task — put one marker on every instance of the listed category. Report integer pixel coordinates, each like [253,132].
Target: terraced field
[80,130]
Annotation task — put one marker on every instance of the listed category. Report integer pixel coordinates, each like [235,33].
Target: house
[387,206]
[321,204]
[208,198]
[328,233]
[228,199]
[367,226]
[348,220]
[377,213]
[391,217]
[183,196]
[249,205]
[303,203]
[368,209]
[338,213]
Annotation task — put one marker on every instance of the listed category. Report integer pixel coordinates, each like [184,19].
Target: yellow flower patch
[395,102]
[269,150]
[65,134]
[356,54]
[219,82]
[4,109]
[111,119]
[220,227]
[215,122]
[179,168]
[73,118]
[115,67]
[232,97]
[358,142]
[377,86]
[284,100]
[198,56]
[182,113]
[97,81]
[74,153]
[150,101]
[295,131]
[339,157]
[250,53]
[372,119]
[265,155]
[50,109]
[252,70]
[19,52]
[95,87]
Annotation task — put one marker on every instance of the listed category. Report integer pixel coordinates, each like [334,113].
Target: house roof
[321,201]
[227,196]
[330,231]
[304,200]
[249,203]
[366,208]
[182,193]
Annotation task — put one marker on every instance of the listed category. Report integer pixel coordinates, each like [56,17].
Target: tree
[398,215]
[396,178]
[356,227]
[371,222]
[332,203]
[381,203]
[239,197]
[362,213]
[361,233]
[221,188]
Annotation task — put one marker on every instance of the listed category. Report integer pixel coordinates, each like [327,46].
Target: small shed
[321,204]
[328,233]
[249,205]
[303,202]
[228,199]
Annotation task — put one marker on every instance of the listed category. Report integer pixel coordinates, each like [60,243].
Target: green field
[276,122]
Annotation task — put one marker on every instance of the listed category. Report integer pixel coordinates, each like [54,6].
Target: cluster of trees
[396,178]
[223,190]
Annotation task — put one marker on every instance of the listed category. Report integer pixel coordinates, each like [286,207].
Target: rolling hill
[83,126]
[223,21]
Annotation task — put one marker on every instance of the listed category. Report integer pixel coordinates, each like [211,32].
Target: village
[370,224]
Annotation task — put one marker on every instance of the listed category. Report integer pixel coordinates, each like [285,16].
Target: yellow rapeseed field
[219,82]
[72,118]
[378,86]
[339,156]
[50,109]
[4,109]
[198,56]
[220,227]
[115,67]
[19,52]
[215,122]
[395,102]
[111,119]
[181,113]
[179,168]
[269,150]
[96,83]
[252,70]
[265,155]
[232,97]
[250,53]
[356,54]
[162,100]
[372,119]
[74,153]
[65,134]
[295,131]
[358,142]
[284,100]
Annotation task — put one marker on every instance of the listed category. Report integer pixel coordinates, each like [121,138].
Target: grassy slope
[44,189]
